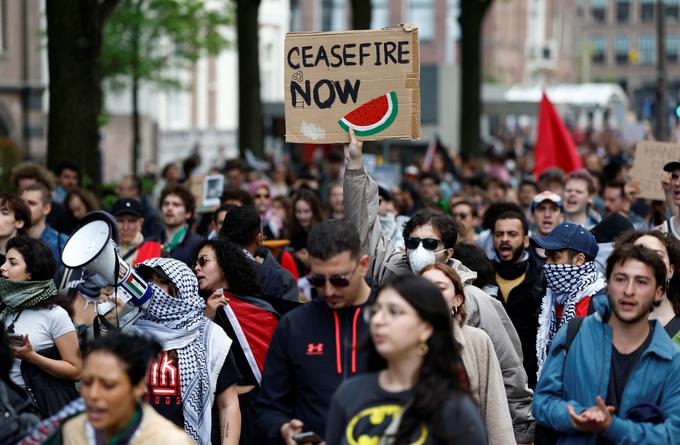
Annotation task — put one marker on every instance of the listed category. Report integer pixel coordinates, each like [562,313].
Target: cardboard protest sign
[367,80]
[650,157]
[207,190]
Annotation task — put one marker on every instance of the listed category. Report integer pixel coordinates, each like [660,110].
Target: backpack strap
[573,326]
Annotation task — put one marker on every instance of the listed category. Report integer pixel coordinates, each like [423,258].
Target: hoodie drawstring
[338,361]
[338,355]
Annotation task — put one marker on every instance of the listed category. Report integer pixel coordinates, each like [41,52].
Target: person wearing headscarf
[193,383]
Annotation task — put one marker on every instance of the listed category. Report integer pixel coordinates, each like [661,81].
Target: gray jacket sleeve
[483,314]
[361,209]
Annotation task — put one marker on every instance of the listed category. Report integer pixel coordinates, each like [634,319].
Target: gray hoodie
[484,312]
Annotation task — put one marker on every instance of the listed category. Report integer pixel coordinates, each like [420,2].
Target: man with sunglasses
[317,346]
[430,236]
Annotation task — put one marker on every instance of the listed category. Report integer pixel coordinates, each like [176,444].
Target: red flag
[554,145]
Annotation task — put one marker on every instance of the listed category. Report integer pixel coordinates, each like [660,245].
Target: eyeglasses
[391,312]
[412,243]
[335,280]
[201,261]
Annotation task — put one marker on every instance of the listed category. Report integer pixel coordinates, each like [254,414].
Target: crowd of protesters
[471,302]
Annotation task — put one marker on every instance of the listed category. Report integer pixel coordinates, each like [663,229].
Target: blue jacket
[584,374]
[55,241]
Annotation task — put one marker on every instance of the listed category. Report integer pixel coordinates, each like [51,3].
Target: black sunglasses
[335,280]
[412,243]
[201,261]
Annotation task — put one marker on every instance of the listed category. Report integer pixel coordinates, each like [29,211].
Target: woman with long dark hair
[113,387]
[228,282]
[416,391]
[307,212]
[41,335]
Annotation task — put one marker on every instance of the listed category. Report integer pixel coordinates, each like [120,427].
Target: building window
[672,10]
[334,15]
[622,11]
[421,13]
[647,49]
[647,10]
[621,49]
[598,10]
[380,14]
[672,42]
[599,48]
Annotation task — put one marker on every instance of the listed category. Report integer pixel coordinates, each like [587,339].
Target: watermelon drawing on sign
[372,117]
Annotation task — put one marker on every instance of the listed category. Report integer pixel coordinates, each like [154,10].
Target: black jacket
[276,282]
[304,367]
[523,306]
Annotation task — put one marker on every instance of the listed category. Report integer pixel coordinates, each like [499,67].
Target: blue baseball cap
[570,236]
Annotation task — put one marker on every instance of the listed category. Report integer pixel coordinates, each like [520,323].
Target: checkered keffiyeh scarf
[20,295]
[202,347]
[567,286]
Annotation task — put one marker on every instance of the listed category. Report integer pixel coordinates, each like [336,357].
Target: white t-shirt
[43,327]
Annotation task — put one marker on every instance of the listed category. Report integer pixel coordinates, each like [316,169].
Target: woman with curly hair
[415,385]
[668,310]
[228,282]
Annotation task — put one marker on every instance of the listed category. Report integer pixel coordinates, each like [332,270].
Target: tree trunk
[74,33]
[135,92]
[250,104]
[471,17]
[361,14]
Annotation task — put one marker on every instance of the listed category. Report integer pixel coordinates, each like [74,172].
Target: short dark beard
[643,315]
[516,255]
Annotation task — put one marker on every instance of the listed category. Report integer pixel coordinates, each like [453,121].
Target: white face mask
[422,257]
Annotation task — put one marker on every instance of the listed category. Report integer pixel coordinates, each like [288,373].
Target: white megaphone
[91,247]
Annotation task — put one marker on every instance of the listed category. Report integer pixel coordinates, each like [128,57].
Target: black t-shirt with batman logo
[361,412]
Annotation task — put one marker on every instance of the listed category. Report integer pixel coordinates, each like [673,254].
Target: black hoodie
[313,350]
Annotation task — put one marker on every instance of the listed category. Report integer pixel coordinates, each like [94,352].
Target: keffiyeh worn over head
[567,286]
[20,295]
[180,324]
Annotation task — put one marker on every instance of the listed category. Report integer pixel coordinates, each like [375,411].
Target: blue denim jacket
[577,378]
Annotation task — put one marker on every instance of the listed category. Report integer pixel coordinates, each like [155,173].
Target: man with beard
[572,278]
[520,283]
[616,350]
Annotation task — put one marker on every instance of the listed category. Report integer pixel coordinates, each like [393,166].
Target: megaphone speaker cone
[87,244]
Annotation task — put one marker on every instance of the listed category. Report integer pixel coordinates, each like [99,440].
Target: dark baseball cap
[570,236]
[127,206]
[672,166]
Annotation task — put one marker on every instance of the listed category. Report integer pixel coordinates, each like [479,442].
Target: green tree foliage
[156,42]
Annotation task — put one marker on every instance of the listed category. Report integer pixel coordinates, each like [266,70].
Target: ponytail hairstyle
[441,375]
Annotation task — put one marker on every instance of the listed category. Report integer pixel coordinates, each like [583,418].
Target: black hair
[514,215]
[474,258]
[134,351]
[66,165]
[241,225]
[232,194]
[495,210]
[428,175]
[619,185]
[439,377]
[16,205]
[331,238]
[624,252]
[234,164]
[223,208]
[473,207]
[236,267]
[38,257]
[530,182]
[444,224]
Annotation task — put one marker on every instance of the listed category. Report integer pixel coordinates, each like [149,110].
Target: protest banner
[650,157]
[367,80]
[207,190]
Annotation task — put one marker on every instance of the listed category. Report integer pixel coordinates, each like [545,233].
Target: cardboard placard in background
[207,190]
[330,74]
[650,157]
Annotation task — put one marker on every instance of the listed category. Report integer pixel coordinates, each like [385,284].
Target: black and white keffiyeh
[180,324]
[567,286]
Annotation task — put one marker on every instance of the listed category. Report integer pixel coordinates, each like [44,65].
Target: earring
[454,311]
[423,348]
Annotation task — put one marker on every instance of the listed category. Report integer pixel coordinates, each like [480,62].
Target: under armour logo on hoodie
[315,349]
